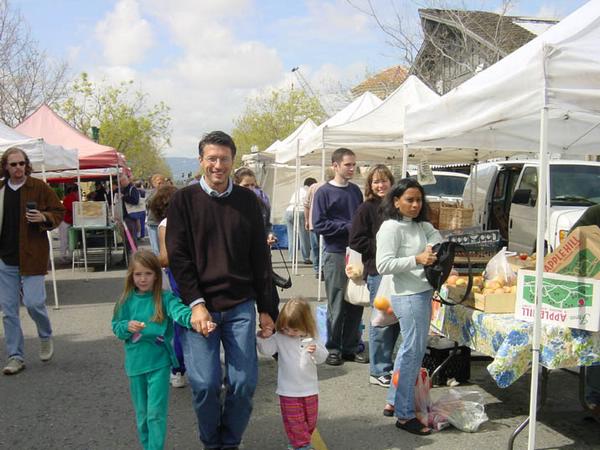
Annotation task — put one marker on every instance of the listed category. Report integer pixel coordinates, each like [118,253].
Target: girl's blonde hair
[148,260]
[296,314]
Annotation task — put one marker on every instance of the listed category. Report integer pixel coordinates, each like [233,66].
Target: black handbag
[278,280]
[438,272]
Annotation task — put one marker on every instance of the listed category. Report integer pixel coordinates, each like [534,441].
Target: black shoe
[361,358]
[334,359]
[308,262]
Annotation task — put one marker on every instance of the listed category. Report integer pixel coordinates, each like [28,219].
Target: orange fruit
[389,311]
[381,303]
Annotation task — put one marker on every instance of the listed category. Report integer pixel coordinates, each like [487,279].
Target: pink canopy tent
[45,123]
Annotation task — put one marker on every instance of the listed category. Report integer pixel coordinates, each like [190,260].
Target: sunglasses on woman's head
[18,163]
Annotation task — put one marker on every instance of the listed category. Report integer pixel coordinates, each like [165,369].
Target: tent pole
[273,190]
[112,204]
[404,160]
[53,268]
[320,236]
[539,273]
[296,218]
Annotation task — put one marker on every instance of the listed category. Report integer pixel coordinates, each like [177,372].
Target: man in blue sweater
[334,205]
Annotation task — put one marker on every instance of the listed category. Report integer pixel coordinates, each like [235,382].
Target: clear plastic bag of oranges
[383,314]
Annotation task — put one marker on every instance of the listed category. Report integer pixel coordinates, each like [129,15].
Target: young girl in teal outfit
[143,319]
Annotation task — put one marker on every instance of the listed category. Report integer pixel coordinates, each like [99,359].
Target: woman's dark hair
[241,173]
[160,201]
[388,208]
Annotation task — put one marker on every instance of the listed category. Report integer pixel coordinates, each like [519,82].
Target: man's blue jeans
[381,339]
[314,250]
[153,236]
[303,236]
[343,318]
[414,313]
[222,425]
[34,299]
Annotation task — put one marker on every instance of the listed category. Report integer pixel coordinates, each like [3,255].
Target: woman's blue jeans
[414,313]
[381,339]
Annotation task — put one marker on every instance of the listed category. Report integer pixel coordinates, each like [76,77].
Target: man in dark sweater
[218,254]
[334,205]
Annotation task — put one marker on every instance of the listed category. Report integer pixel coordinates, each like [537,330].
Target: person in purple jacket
[334,206]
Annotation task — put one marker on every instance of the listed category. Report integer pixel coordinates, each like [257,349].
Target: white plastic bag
[357,292]
[498,270]
[462,409]
[306,358]
[383,315]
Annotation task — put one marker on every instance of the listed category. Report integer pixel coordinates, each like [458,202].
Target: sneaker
[14,366]
[361,358]
[334,359]
[383,380]
[178,380]
[46,349]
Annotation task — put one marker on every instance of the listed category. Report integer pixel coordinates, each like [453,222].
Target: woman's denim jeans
[414,314]
[381,339]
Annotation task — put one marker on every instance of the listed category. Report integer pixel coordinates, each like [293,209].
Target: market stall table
[91,253]
[508,341]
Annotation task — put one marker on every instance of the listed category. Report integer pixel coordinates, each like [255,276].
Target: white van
[505,195]
[448,186]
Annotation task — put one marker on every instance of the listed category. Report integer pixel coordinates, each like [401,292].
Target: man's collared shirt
[210,191]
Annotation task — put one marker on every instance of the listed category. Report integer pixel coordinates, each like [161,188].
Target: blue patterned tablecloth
[508,341]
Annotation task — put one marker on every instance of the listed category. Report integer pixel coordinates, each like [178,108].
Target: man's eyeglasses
[18,163]
[214,160]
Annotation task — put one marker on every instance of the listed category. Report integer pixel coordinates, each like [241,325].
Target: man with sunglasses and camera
[28,209]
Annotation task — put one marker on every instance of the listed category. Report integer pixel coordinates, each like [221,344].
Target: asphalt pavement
[80,400]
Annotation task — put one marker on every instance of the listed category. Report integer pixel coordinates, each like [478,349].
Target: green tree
[126,122]
[274,115]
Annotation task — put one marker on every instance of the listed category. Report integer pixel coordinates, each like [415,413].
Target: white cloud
[326,21]
[210,72]
[124,35]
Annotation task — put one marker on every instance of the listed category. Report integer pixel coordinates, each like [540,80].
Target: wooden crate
[454,216]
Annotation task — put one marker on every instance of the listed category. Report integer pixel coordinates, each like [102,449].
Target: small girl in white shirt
[297,383]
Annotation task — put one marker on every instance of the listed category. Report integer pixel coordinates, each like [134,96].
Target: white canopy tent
[544,98]
[299,133]
[380,133]
[43,157]
[304,145]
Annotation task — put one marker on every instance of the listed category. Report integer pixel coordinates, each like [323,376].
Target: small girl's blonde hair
[148,260]
[296,314]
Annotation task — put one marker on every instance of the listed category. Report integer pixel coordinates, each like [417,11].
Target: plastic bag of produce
[462,409]
[499,275]
[383,314]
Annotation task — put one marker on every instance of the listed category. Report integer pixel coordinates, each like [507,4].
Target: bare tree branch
[28,77]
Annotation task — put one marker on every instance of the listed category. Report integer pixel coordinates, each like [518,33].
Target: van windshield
[576,185]
[446,185]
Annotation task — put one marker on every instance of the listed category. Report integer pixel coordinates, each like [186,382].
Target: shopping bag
[357,292]
[383,314]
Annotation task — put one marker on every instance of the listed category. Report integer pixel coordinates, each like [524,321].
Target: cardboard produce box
[578,255]
[456,293]
[493,303]
[566,300]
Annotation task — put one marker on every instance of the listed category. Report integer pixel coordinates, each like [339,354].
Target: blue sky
[205,57]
